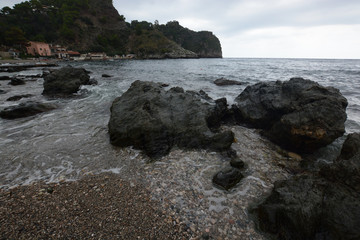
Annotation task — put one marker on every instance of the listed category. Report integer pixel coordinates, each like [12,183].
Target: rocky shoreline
[189,138]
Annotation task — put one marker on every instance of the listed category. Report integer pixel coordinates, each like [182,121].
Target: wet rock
[18,97]
[2,91]
[351,146]
[2,78]
[154,120]
[16,82]
[106,76]
[313,206]
[65,81]
[226,82]
[346,168]
[25,110]
[92,82]
[298,114]
[237,163]
[227,178]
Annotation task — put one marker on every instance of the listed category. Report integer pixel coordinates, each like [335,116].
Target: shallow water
[72,140]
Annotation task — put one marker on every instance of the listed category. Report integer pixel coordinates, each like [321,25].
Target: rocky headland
[96,26]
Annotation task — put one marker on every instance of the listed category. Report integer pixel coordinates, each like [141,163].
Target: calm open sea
[73,139]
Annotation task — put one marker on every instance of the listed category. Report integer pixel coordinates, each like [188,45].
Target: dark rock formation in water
[2,78]
[299,114]
[25,110]
[65,81]
[313,206]
[226,82]
[106,75]
[18,97]
[16,82]
[154,120]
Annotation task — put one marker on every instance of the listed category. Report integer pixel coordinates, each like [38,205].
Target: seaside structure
[39,49]
[59,51]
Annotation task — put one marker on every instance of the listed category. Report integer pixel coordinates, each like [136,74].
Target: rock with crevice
[318,205]
[300,115]
[154,120]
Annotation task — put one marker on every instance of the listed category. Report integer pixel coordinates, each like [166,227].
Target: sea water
[73,139]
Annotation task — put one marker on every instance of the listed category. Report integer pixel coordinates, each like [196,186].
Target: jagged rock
[226,82]
[351,146]
[313,206]
[346,168]
[25,110]
[154,120]
[227,178]
[65,81]
[299,114]
[18,97]
[16,82]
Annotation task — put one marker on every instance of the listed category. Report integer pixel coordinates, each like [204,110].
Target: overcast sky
[260,28]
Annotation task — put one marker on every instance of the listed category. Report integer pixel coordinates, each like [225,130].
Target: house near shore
[58,51]
[38,49]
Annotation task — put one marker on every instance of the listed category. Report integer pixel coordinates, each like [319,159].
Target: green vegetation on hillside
[202,43]
[96,26]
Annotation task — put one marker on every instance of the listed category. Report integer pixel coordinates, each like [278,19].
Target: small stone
[50,190]
[227,178]
[237,163]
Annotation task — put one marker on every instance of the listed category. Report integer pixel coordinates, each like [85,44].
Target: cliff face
[205,44]
[96,26]
[100,28]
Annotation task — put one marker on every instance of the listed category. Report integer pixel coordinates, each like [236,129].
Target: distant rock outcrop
[299,114]
[205,44]
[226,82]
[25,110]
[154,120]
[65,81]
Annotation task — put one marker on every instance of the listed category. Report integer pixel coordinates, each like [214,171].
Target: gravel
[96,207]
[173,198]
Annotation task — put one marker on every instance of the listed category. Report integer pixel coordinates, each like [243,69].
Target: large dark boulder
[65,81]
[25,110]
[299,114]
[313,206]
[152,119]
